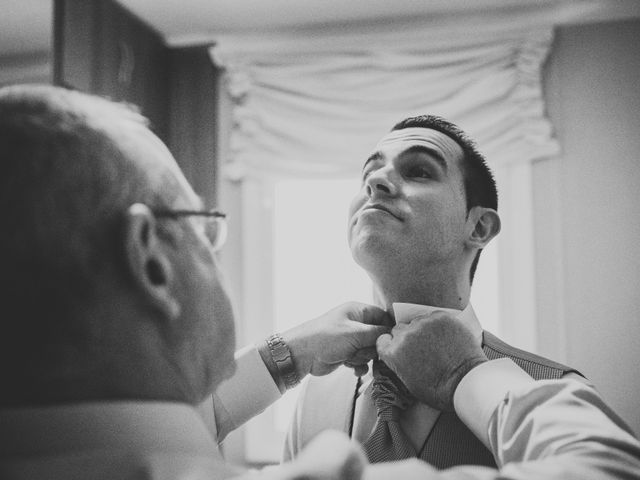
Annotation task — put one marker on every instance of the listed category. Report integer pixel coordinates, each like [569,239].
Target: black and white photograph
[320,239]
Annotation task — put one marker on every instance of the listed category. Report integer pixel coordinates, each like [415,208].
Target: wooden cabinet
[102,48]
[193,117]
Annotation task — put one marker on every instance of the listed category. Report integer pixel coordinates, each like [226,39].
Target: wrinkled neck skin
[79,377]
[125,359]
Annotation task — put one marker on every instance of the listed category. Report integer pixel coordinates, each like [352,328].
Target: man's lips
[384,208]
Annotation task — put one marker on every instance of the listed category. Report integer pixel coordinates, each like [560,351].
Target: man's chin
[371,250]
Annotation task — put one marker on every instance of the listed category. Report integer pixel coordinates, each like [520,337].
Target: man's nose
[381,183]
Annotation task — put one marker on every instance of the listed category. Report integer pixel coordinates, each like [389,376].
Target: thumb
[383,346]
[372,315]
[366,335]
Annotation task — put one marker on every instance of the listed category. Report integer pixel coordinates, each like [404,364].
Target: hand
[430,355]
[329,456]
[346,334]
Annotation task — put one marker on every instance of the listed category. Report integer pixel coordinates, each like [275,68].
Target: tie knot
[389,394]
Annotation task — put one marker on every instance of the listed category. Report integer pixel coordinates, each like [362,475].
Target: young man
[426,209]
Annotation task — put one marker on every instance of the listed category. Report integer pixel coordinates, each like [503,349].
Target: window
[313,269]
[302,255]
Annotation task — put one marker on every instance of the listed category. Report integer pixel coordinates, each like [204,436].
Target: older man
[116,323]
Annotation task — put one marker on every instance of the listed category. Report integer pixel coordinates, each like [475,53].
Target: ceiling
[25,25]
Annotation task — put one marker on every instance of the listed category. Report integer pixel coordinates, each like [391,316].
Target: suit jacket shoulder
[535,365]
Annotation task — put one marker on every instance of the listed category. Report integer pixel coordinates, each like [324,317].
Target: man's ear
[147,260]
[484,224]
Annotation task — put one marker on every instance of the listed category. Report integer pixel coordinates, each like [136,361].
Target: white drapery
[315,105]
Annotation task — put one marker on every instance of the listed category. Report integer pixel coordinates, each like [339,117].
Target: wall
[588,210]
[32,67]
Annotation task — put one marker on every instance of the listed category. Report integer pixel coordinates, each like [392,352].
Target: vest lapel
[451,443]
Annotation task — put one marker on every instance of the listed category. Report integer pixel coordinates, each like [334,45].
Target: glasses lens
[217,232]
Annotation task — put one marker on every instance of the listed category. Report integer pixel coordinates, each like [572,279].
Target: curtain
[315,104]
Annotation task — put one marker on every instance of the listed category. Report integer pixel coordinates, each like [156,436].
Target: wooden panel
[131,64]
[193,117]
[101,48]
[73,44]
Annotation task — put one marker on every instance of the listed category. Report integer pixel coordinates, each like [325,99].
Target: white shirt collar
[404,312]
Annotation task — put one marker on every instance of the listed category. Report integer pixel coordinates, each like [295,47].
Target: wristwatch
[281,355]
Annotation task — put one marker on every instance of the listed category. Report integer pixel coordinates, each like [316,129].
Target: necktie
[388,442]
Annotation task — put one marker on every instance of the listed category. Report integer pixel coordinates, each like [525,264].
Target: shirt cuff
[481,391]
[234,405]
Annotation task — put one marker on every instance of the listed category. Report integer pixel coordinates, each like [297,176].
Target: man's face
[411,207]
[206,308]
[205,330]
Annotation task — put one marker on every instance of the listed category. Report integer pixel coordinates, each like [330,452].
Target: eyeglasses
[215,223]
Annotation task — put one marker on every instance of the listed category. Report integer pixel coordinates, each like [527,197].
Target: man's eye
[419,171]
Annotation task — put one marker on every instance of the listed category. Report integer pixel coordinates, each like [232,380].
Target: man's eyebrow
[431,152]
[372,158]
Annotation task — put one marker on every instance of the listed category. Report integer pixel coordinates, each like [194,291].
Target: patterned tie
[388,442]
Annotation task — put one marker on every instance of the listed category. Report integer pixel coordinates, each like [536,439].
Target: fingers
[363,355]
[365,336]
[358,361]
[384,345]
[372,315]
[390,346]
[358,370]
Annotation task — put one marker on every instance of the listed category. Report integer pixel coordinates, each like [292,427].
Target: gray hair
[66,182]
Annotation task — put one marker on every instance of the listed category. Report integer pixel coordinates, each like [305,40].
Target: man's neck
[57,387]
[422,290]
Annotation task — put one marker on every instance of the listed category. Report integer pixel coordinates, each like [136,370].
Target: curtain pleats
[314,106]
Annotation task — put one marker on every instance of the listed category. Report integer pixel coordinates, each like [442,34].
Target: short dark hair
[66,182]
[479,184]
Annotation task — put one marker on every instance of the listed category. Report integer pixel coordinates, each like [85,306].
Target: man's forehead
[399,140]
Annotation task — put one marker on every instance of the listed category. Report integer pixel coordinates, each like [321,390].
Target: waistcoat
[450,442]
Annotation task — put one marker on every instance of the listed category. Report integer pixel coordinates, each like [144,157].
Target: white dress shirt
[550,429]
[248,393]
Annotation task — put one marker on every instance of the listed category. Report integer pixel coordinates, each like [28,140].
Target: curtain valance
[314,105]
